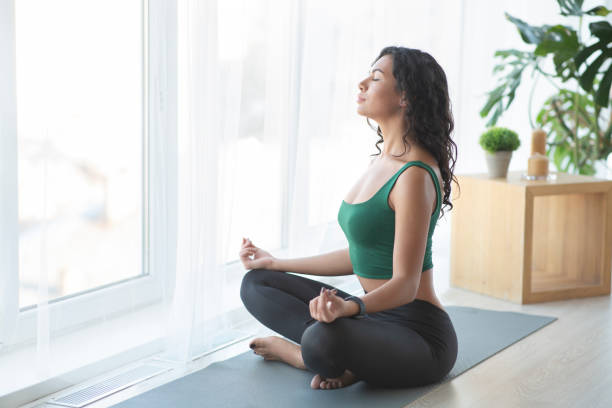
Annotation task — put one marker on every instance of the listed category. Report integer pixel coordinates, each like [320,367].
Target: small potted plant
[498,144]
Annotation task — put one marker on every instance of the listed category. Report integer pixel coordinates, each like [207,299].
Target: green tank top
[370,229]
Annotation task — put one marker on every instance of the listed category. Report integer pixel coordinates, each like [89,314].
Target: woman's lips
[360,99]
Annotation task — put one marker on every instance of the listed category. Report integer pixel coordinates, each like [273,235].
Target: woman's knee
[322,342]
[251,279]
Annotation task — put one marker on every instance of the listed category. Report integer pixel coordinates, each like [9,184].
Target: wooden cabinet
[530,241]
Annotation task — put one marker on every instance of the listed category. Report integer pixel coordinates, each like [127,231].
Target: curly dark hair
[428,111]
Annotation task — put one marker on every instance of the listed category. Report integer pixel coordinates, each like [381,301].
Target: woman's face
[378,98]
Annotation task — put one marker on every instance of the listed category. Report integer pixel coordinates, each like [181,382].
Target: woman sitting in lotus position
[398,334]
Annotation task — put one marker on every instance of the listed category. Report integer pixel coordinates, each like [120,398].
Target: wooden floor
[568,363]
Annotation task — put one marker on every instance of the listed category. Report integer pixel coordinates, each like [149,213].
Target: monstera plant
[577,117]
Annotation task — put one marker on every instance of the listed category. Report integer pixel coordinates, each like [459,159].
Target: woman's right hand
[261,259]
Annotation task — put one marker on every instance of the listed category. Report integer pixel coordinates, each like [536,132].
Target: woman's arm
[329,264]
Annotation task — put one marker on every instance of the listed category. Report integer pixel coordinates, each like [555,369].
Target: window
[91,124]
[80,145]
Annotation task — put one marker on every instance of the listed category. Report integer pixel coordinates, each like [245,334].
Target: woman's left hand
[327,307]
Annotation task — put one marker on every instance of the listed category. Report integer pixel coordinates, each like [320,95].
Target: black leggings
[411,345]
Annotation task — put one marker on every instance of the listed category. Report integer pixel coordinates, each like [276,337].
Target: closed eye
[372,78]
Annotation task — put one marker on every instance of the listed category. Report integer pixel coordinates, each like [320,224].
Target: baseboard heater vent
[109,386]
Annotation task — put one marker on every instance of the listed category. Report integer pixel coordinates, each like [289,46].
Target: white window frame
[159,164]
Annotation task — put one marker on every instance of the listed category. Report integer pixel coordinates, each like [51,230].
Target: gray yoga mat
[247,380]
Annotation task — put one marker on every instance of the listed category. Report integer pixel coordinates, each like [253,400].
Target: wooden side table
[530,241]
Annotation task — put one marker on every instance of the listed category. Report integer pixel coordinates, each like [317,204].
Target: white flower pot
[498,162]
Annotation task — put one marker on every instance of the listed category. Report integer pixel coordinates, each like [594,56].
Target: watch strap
[357,300]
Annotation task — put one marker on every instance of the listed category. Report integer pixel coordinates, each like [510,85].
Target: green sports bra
[370,229]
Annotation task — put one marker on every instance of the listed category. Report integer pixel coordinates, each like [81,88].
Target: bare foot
[344,380]
[276,348]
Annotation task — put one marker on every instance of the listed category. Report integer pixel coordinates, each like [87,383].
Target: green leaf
[558,39]
[562,42]
[499,68]
[512,53]
[558,156]
[496,114]
[508,82]
[598,11]
[603,93]
[529,34]
[584,53]
[513,85]
[494,96]
[588,169]
[602,30]
[574,8]
[571,7]
[586,79]
[542,115]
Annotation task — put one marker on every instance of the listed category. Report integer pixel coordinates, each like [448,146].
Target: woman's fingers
[316,306]
[329,299]
[328,305]
[246,251]
[311,305]
[320,306]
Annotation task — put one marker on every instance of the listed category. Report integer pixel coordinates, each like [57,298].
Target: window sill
[80,355]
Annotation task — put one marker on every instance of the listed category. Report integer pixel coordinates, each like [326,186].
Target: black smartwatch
[357,300]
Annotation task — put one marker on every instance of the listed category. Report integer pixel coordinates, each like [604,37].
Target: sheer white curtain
[230,161]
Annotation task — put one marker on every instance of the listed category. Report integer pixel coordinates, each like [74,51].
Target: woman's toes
[316,381]
[329,383]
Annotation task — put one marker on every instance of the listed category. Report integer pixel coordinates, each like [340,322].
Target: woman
[398,334]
